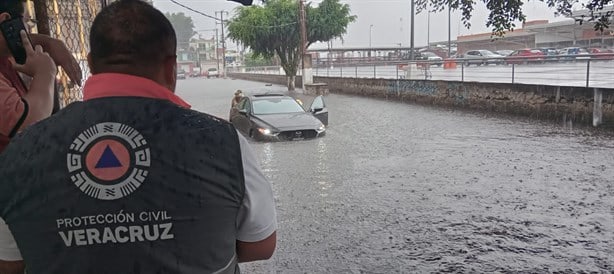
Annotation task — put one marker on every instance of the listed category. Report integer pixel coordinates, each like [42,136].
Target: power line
[191,9]
[226,21]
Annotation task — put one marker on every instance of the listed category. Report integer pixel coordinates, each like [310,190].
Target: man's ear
[4,16]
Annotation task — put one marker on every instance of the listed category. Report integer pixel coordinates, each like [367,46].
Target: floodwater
[403,188]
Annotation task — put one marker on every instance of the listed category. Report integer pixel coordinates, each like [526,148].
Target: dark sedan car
[277,117]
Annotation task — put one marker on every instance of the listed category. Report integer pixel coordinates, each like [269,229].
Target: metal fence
[69,21]
[586,71]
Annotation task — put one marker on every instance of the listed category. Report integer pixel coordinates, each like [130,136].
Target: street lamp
[370,30]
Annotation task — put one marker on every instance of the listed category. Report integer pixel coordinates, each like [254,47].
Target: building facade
[576,31]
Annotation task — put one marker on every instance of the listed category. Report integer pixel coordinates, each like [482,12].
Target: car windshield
[276,105]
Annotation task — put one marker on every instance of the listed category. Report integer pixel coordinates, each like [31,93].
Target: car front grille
[298,134]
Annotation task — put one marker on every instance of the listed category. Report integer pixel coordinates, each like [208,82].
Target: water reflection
[322,168]
[268,154]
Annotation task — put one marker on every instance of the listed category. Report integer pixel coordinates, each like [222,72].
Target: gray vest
[124,185]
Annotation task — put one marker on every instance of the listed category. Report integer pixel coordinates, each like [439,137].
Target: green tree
[184,28]
[274,30]
[505,14]
[251,60]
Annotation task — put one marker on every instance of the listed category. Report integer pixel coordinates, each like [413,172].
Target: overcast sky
[390,20]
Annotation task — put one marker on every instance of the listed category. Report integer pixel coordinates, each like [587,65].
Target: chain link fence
[69,21]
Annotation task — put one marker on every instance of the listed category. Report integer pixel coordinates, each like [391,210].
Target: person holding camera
[21,104]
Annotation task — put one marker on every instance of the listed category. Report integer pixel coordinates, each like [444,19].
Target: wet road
[401,188]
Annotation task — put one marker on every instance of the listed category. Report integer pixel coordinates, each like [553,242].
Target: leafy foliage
[504,14]
[274,30]
[184,28]
[257,61]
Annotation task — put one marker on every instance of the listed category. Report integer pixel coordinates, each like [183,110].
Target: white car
[433,58]
[212,72]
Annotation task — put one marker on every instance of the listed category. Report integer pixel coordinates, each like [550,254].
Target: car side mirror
[243,111]
[316,110]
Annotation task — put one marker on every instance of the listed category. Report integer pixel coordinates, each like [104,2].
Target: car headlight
[266,131]
[321,129]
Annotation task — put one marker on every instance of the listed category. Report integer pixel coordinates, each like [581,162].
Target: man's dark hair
[131,36]
[12,7]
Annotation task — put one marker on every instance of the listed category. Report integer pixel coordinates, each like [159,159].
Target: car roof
[267,95]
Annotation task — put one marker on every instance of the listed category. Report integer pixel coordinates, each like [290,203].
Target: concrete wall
[267,78]
[537,101]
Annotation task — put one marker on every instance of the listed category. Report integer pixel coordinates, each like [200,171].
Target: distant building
[205,49]
[540,33]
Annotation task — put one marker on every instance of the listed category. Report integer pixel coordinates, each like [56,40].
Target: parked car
[525,56]
[417,56]
[550,54]
[277,117]
[601,54]
[503,52]
[580,54]
[212,72]
[195,72]
[432,58]
[181,74]
[482,57]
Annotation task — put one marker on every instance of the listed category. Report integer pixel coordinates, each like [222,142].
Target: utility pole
[449,31]
[223,40]
[411,32]
[217,46]
[305,58]
[428,30]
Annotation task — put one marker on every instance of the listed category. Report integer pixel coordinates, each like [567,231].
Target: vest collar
[104,85]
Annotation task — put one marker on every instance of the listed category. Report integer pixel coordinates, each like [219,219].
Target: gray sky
[390,20]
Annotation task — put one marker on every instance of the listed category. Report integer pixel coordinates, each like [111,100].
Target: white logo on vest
[109,161]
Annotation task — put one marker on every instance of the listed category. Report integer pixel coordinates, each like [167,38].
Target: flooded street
[403,188]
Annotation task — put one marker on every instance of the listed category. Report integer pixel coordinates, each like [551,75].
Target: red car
[601,54]
[525,56]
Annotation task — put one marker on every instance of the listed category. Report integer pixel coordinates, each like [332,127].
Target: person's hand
[38,62]
[61,55]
